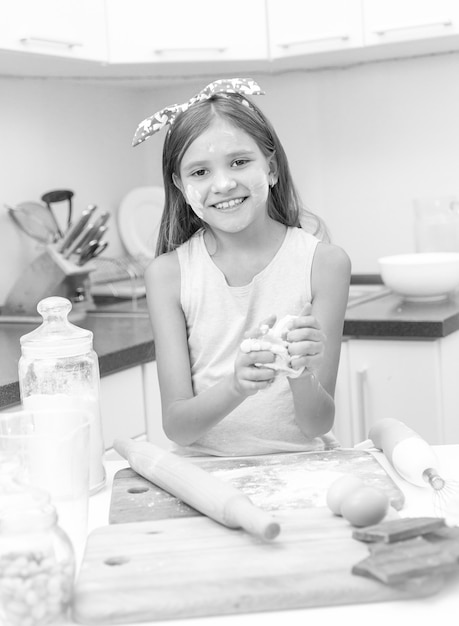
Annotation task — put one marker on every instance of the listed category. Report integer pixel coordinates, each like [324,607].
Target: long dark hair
[178,221]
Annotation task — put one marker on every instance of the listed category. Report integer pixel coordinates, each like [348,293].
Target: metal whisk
[415,461]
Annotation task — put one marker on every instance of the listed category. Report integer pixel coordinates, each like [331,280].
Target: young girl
[234,255]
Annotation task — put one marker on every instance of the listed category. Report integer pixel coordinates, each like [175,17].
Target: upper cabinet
[311,26]
[309,33]
[149,31]
[389,21]
[138,38]
[59,28]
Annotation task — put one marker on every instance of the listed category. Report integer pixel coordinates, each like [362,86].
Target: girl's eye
[199,173]
[239,162]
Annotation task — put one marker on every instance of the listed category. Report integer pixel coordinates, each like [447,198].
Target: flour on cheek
[259,187]
[194,199]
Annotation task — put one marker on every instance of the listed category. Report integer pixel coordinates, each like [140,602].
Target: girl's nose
[222,182]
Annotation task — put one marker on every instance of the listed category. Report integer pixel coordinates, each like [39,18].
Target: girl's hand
[261,329]
[249,377]
[306,341]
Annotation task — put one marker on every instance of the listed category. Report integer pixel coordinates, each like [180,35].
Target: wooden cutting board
[194,567]
[273,482]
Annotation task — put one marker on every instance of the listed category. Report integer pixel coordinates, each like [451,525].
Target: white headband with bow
[154,123]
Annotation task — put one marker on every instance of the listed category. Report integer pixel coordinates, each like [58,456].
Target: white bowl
[421,276]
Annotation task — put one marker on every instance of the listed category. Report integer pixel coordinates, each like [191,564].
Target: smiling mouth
[229,204]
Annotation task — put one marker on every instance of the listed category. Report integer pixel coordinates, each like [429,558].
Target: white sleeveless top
[217,316]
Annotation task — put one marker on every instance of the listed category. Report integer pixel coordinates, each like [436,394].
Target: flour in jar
[89,404]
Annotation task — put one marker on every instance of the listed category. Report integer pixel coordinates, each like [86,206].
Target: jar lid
[56,336]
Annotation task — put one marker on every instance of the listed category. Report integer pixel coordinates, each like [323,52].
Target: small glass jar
[59,370]
[37,562]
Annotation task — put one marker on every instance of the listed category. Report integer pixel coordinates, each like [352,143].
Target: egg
[365,506]
[340,489]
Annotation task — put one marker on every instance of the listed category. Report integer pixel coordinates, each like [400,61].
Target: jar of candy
[37,563]
[59,370]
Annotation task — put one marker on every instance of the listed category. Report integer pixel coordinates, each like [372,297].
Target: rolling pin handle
[123,447]
[388,432]
[240,512]
[196,487]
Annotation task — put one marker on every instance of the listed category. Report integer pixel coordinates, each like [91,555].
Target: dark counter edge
[112,361]
[389,329]
[138,354]
[109,363]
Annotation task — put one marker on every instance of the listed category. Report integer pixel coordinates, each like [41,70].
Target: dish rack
[121,277]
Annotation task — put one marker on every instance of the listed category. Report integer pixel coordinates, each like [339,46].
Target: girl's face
[225,178]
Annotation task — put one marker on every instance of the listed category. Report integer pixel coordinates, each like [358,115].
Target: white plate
[139,215]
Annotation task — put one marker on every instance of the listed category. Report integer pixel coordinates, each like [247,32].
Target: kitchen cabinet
[310,26]
[398,379]
[131,405]
[64,28]
[308,34]
[388,21]
[449,358]
[137,38]
[122,405]
[153,412]
[413,381]
[344,425]
[145,31]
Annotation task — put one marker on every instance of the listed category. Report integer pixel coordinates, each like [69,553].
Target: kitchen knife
[78,241]
[92,234]
[89,234]
[76,230]
[100,248]
[198,488]
[93,231]
[91,250]
[87,252]
[101,220]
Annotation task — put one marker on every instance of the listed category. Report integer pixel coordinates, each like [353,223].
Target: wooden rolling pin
[409,454]
[198,488]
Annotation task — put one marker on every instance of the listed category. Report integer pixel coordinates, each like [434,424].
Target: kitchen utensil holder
[50,274]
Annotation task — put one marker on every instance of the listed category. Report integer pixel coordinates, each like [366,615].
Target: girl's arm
[187,417]
[316,342]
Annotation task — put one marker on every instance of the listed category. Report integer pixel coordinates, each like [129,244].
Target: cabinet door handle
[390,29]
[361,377]
[53,42]
[181,50]
[324,38]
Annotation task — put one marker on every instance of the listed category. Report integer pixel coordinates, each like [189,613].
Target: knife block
[50,274]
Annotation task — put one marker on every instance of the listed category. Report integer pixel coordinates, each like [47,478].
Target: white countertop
[442,608]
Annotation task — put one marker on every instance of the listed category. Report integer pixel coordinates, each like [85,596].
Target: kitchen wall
[362,143]
[59,134]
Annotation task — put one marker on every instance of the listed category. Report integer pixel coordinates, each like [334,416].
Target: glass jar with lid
[59,370]
[436,226]
[37,563]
